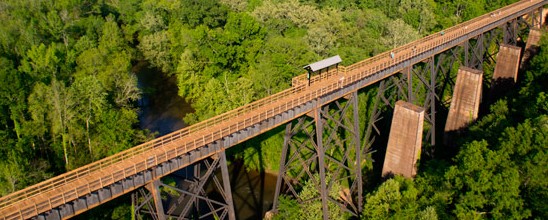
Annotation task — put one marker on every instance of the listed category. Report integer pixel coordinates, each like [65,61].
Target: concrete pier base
[404,141]
[506,70]
[531,48]
[465,102]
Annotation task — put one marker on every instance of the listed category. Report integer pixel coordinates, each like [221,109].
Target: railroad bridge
[323,142]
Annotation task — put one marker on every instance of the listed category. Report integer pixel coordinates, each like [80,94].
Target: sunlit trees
[397,199]
[398,33]
[311,207]
[67,90]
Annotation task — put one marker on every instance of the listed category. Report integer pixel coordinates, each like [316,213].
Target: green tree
[41,63]
[311,205]
[93,101]
[323,35]
[418,14]
[488,186]
[156,49]
[398,33]
[396,199]
[203,12]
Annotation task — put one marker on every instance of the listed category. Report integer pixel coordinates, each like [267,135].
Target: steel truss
[479,49]
[325,142]
[533,20]
[430,83]
[189,198]
[424,84]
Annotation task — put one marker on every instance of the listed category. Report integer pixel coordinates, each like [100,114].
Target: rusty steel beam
[328,144]
[154,189]
[191,191]
[104,180]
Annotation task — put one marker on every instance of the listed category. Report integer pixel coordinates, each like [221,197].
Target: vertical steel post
[281,172]
[410,96]
[466,53]
[480,46]
[432,94]
[357,145]
[321,160]
[226,186]
[154,188]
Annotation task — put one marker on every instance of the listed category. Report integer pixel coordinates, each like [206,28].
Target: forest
[69,92]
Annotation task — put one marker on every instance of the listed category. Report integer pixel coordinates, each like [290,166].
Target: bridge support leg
[324,153]
[477,50]
[510,30]
[536,19]
[321,161]
[154,189]
[187,196]
[358,183]
[227,189]
[281,172]
[143,203]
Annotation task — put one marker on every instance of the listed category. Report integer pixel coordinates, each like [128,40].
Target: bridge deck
[60,190]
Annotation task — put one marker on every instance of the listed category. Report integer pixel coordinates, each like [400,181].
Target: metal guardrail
[58,190]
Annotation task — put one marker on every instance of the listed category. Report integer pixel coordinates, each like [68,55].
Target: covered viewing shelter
[325,64]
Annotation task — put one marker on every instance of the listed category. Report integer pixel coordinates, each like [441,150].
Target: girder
[191,200]
[94,184]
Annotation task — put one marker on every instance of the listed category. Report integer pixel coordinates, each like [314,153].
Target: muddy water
[252,192]
[163,110]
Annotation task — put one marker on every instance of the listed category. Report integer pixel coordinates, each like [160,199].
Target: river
[162,110]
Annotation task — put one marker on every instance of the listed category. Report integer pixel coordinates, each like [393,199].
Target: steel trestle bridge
[79,190]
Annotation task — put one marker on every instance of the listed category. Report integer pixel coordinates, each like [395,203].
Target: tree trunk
[65,140]
[89,140]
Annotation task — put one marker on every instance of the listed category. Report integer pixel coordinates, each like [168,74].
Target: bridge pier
[465,102]
[506,69]
[531,47]
[404,141]
[327,144]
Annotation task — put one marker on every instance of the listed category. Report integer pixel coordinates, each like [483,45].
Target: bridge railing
[138,155]
[414,48]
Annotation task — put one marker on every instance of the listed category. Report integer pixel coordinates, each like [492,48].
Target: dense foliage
[68,88]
